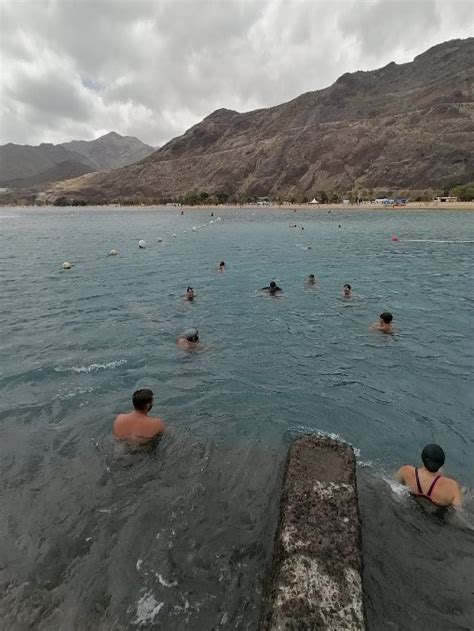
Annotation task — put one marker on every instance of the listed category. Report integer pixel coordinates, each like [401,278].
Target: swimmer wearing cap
[347,291]
[385,323]
[190,294]
[137,427]
[189,340]
[272,288]
[311,280]
[221,267]
[427,483]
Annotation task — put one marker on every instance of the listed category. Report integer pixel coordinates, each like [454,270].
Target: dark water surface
[180,538]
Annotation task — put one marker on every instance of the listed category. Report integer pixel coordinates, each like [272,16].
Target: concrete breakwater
[315,580]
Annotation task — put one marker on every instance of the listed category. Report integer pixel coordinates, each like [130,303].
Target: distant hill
[25,165]
[406,126]
[110,151]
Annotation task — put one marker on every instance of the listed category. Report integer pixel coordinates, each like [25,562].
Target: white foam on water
[396,487]
[147,609]
[91,367]
[139,564]
[164,582]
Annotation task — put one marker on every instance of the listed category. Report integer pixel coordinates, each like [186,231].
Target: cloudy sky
[75,69]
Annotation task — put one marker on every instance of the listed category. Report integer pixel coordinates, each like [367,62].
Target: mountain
[110,151]
[24,165]
[407,126]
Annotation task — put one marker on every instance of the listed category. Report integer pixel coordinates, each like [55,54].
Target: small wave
[91,367]
[70,394]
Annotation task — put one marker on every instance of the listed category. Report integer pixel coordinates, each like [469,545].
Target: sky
[77,69]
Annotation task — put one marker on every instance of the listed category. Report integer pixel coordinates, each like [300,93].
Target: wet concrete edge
[315,580]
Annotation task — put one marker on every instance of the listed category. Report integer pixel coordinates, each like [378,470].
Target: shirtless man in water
[427,483]
[385,323]
[137,426]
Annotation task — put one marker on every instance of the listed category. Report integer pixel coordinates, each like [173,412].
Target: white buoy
[67,265]
[212,221]
[194,228]
[113,253]
[160,240]
[174,235]
[142,243]
[218,219]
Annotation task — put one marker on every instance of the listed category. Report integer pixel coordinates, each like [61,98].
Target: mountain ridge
[30,165]
[402,126]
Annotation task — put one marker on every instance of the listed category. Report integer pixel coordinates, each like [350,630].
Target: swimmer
[137,426]
[347,291]
[272,288]
[385,323]
[427,483]
[311,280]
[221,267]
[189,340]
[190,294]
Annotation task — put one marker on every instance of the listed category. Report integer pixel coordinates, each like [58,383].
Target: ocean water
[180,537]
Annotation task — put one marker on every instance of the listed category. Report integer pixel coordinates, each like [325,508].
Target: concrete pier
[317,563]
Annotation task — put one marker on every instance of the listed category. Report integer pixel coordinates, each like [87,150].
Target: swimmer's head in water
[142,399]
[189,290]
[433,457]
[222,264]
[347,287]
[192,335]
[386,317]
[311,277]
[273,285]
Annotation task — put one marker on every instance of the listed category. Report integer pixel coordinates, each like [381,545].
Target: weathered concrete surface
[317,565]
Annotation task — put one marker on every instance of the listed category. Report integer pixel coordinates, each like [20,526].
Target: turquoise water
[181,537]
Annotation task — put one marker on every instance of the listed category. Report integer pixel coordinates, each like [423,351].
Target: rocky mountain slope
[24,165]
[406,126]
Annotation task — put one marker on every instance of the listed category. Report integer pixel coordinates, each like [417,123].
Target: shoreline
[411,206]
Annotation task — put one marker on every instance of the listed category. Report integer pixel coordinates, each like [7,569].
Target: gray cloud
[152,69]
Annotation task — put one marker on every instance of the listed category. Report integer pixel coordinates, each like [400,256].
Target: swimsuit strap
[433,485]
[420,490]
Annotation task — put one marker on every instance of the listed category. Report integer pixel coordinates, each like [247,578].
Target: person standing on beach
[137,426]
[427,483]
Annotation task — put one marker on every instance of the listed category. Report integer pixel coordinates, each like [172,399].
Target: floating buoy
[395,239]
[113,253]
[67,265]
[194,228]
[212,221]
[160,240]
[142,243]
[173,235]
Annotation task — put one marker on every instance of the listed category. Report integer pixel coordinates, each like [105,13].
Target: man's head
[222,264]
[273,285]
[311,277]
[143,400]
[386,317]
[433,457]
[347,289]
[192,335]
[190,290]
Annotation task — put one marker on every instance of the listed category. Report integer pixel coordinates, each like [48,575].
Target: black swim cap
[348,286]
[273,284]
[433,457]
[386,317]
